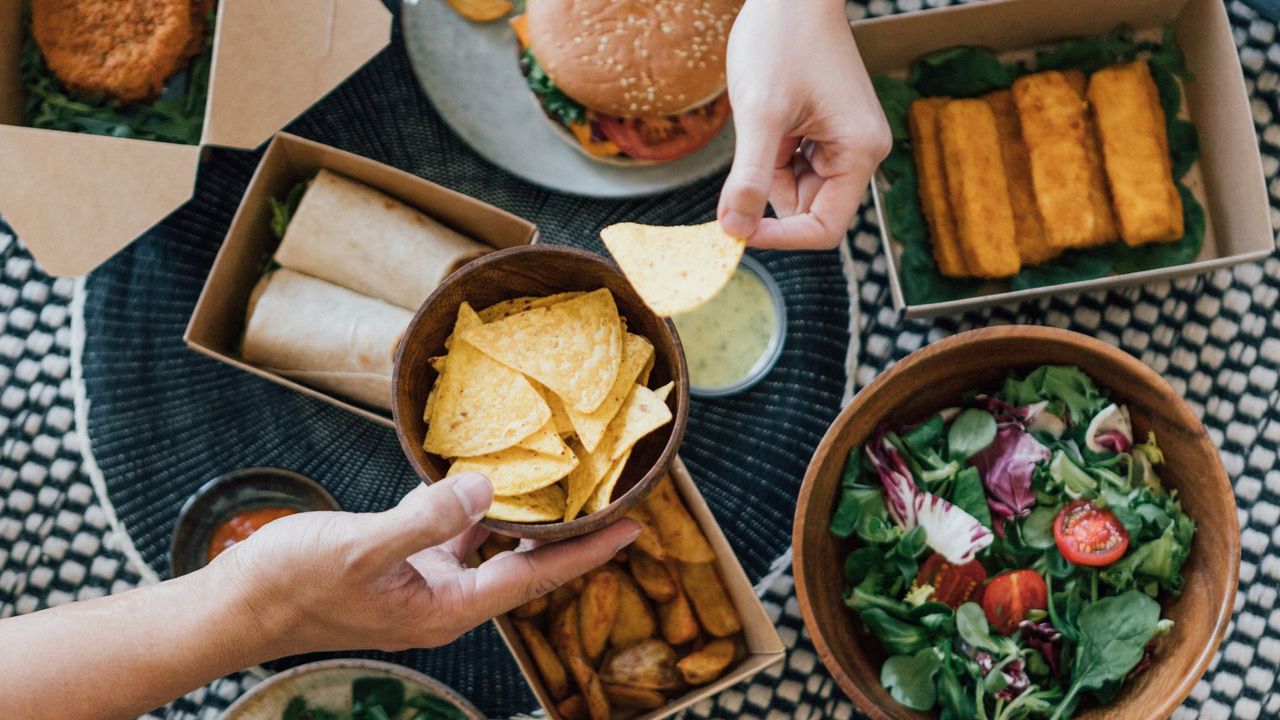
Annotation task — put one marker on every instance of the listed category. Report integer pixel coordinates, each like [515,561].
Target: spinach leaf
[1070,266]
[970,433]
[371,694]
[282,211]
[971,624]
[969,496]
[925,437]
[433,708]
[1089,54]
[1114,633]
[296,709]
[897,636]
[553,99]
[895,97]
[909,678]
[956,704]
[1037,529]
[960,72]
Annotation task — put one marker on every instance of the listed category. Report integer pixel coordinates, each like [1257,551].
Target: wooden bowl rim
[1028,333]
[642,487]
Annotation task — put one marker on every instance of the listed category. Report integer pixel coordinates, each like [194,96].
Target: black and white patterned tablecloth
[1216,338]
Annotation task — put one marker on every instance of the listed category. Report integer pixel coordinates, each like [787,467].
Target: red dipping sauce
[240,526]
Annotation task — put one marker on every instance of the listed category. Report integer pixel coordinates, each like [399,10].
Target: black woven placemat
[164,420]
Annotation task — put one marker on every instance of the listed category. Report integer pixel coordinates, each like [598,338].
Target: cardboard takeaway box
[1232,187]
[75,199]
[764,645]
[217,322]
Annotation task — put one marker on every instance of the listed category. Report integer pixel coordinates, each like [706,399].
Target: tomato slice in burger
[954,585]
[665,138]
[1009,597]
[1089,535]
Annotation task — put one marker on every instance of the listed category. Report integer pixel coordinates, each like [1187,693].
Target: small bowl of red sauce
[231,507]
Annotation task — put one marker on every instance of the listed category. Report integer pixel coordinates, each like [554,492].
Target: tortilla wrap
[324,335]
[352,235]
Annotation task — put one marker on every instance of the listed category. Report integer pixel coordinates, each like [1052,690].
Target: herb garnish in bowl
[1010,550]
[377,698]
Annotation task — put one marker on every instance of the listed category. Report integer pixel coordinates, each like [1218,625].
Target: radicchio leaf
[1110,430]
[1015,675]
[1005,467]
[1043,636]
[949,531]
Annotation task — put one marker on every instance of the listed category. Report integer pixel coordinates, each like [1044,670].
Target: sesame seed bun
[633,58]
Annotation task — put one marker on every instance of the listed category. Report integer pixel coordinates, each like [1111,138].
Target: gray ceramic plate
[327,684]
[472,74]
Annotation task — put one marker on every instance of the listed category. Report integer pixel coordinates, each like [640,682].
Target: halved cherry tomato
[1089,535]
[666,138]
[954,585]
[1009,597]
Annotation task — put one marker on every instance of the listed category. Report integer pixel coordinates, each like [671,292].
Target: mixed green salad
[1009,550]
[377,698]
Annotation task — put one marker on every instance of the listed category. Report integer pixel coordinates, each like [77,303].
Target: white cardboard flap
[276,58]
[76,199]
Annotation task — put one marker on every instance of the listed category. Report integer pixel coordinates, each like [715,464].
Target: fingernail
[475,493]
[738,225]
[631,535]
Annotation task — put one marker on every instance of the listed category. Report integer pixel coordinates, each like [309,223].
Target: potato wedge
[597,611]
[679,532]
[648,664]
[710,600]
[648,540]
[654,577]
[496,544]
[635,619]
[544,657]
[676,619]
[567,640]
[533,608]
[573,708]
[702,666]
[631,697]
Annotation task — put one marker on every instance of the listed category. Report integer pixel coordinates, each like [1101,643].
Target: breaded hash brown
[122,49]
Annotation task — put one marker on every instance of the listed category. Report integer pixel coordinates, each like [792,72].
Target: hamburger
[633,81]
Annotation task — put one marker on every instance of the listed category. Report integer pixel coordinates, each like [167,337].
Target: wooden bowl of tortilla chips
[540,367]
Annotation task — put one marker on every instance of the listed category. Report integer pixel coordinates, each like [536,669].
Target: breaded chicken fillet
[122,49]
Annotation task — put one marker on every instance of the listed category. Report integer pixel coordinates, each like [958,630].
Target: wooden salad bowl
[539,270]
[934,378]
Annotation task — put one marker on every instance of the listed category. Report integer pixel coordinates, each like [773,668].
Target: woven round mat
[160,420]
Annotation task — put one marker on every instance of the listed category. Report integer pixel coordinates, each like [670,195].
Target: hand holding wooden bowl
[936,378]
[540,271]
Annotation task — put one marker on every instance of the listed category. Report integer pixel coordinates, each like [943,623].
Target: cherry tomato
[954,585]
[1089,535]
[1009,597]
[665,138]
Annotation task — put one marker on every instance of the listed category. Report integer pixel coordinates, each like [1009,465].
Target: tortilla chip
[507,308]
[545,505]
[559,415]
[546,441]
[482,406]
[591,469]
[643,412]
[574,347]
[637,352]
[517,471]
[674,269]
[601,496]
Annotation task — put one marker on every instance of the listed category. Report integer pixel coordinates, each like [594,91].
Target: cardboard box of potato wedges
[324,264]
[106,106]
[1043,147]
[671,621]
